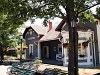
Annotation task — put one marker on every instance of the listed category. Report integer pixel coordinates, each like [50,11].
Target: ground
[3,70]
[82,71]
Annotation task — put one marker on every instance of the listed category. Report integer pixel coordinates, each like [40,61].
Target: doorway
[45,52]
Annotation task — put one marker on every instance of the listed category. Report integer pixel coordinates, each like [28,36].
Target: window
[45,51]
[31,32]
[82,51]
[31,48]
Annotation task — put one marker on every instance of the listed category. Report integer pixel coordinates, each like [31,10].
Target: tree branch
[88,8]
[61,13]
[59,16]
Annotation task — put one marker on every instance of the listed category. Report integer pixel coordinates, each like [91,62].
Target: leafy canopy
[97,15]
[22,10]
[14,12]
[7,32]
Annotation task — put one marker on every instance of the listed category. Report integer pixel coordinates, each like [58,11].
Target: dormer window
[31,32]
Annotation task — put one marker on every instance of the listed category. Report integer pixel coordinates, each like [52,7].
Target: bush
[37,61]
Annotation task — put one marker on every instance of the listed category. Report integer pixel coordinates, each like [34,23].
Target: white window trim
[30,51]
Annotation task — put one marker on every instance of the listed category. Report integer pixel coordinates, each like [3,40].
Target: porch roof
[80,26]
[54,35]
[82,35]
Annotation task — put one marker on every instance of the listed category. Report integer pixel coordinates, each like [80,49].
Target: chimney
[50,25]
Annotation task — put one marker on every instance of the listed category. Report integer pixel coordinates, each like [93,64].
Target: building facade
[53,42]
[31,35]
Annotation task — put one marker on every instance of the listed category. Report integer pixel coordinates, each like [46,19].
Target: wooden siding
[53,48]
[30,39]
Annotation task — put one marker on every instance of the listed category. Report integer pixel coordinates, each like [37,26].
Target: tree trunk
[75,50]
[1,55]
[71,52]
[73,44]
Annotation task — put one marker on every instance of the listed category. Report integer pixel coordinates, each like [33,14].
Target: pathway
[82,71]
[3,70]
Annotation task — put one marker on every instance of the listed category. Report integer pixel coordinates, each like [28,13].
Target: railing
[83,61]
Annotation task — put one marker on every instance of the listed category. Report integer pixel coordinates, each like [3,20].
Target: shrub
[37,61]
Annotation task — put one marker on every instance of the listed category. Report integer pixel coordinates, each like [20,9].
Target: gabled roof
[54,33]
[80,25]
[51,35]
[60,25]
[41,30]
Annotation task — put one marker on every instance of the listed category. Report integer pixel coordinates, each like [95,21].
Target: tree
[97,15]
[7,37]
[19,10]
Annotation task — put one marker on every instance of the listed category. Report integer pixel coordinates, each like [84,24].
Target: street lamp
[75,45]
[21,37]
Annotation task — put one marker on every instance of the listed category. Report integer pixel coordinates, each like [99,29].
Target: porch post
[98,33]
[88,53]
[65,56]
[39,51]
[62,50]
[62,53]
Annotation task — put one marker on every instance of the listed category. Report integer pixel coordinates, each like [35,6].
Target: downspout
[39,51]
[63,53]
[61,40]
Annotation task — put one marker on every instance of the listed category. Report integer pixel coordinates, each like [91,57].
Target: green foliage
[22,10]
[97,15]
[37,61]
[14,12]
[87,15]
[7,32]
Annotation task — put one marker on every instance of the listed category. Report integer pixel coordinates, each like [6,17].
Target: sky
[38,21]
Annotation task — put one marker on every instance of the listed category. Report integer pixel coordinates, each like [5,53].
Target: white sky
[38,21]
[94,8]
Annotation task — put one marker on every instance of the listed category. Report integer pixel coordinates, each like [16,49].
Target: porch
[85,56]
[52,62]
